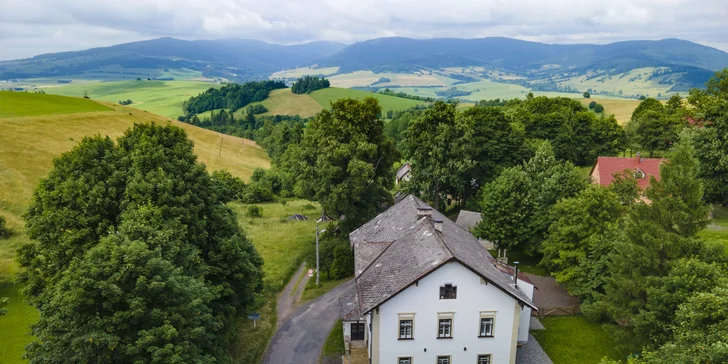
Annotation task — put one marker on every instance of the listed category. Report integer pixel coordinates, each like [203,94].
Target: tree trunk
[437,195]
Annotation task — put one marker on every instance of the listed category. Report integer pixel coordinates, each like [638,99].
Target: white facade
[474,299]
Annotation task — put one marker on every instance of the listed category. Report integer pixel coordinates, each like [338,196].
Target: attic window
[448,292]
[639,173]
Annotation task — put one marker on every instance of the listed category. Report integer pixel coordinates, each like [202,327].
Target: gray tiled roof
[416,249]
[468,219]
[403,170]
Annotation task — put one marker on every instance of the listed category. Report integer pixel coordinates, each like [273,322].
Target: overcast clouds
[28,28]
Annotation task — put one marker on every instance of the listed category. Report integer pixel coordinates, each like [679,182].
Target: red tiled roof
[606,167]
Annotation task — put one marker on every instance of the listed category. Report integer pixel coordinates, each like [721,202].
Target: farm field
[13,104]
[635,82]
[285,102]
[304,71]
[621,108]
[366,78]
[163,98]
[28,145]
[325,96]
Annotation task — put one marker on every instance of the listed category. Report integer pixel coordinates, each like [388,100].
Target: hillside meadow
[163,98]
[28,145]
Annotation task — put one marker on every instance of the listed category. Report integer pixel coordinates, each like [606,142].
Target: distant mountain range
[241,59]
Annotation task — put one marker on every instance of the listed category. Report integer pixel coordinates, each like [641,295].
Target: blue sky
[28,28]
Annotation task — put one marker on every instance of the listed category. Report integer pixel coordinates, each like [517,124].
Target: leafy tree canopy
[134,256]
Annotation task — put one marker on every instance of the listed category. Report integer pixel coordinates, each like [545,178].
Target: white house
[428,292]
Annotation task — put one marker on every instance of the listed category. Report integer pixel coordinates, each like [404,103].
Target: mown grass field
[638,81]
[621,108]
[14,104]
[304,71]
[325,96]
[163,98]
[283,244]
[574,340]
[28,145]
[285,102]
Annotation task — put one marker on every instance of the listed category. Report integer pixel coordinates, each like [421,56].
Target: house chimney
[515,274]
[438,225]
[424,211]
[638,157]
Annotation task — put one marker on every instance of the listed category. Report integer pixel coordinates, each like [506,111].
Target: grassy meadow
[574,340]
[621,108]
[283,244]
[14,104]
[28,145]
[285,102]
[325,96]
[304,71]
[163,98]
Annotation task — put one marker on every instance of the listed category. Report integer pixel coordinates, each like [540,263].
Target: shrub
[255,211]
[227,186]
[599,108]
[592,105]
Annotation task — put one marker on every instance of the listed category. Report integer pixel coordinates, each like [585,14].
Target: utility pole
[317,255]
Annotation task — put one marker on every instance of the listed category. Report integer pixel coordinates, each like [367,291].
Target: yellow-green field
[285,102]
[28,145]
[634,82]
[367,78]
[13,104]
[304,71]
[159,97]
[325,96]
[621,108]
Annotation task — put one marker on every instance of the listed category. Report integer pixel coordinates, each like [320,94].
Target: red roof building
[643,168]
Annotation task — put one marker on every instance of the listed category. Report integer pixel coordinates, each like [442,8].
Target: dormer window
[448,292]
[639,174]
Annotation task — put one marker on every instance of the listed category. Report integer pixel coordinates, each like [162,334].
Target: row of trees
[453,152]
[308,84]
[232,96]
[135,257]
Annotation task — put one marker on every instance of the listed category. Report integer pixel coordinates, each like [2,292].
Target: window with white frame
[443,360]
[484,359]
[487,324]
[406,326]
[444,325]
[448,292]
[405,360]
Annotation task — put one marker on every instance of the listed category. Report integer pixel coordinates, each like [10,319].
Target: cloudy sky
[31,27]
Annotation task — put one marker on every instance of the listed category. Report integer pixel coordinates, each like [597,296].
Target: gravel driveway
[300,339]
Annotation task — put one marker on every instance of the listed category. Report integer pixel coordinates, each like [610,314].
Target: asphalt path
[300,339]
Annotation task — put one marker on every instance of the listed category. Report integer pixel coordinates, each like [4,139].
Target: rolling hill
[236,59]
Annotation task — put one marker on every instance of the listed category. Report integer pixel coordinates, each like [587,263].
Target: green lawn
[159,97]
[574,340]
[334,345]
[717,230]
[14,104]
[327,95]
[15,332]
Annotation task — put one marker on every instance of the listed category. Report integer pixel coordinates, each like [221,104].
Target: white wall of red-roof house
[474,298]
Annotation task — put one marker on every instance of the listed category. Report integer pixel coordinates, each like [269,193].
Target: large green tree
[435,146]
[576,220]
[655,235]
[517,205]
[345,162]
[710,137]
[135,258]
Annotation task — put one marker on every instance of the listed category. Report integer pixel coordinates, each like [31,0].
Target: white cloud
[31,27]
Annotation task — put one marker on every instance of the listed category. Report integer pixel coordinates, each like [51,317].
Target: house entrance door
[357,331]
